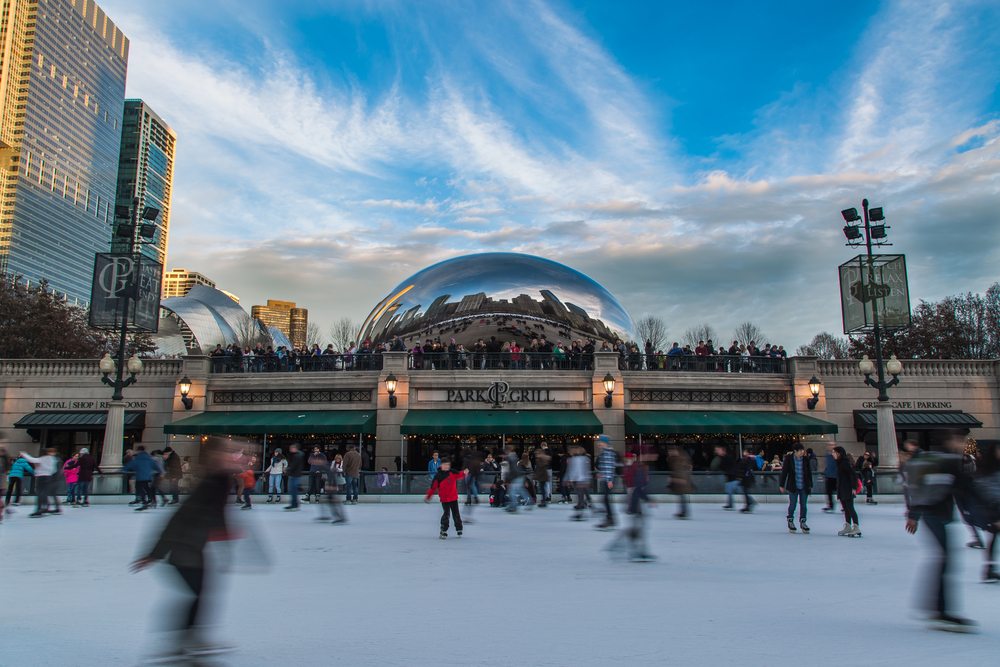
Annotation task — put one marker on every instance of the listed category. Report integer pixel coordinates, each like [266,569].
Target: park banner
[118,278]
[874,290]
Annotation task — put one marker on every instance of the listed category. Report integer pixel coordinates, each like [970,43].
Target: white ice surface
[530,589]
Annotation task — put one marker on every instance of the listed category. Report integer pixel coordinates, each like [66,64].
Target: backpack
[928,482]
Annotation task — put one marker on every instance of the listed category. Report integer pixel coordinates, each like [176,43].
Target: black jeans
[850,514]
[937,593]
[452,507]
[144,492]
[831,488]
[194,578]
[606,492]
[11,483]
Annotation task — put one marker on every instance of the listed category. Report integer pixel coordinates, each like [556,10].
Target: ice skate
[459,533]
[443,535]
[990,575]
[855,531]
[804,526]
[975,544]
[642,558]
[948,623]
[843,532]
[269,499]
[791,525]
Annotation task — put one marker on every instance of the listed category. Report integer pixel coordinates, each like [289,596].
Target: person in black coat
[296,464]
[200,519]
[847,482]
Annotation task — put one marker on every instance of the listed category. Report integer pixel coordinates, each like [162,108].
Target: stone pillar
[114,435]
[389,441]
[801,369]
[888,449]
[613,418]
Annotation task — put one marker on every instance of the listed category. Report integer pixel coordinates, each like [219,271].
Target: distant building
[62,85]
[287,318]
[230,295]
[178,282]
[146,173]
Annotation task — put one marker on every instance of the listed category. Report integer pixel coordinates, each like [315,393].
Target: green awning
[81,420]
[514,422]
[708,421]
[255,422]
[918,420]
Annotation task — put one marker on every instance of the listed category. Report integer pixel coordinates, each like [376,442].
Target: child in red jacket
[248,482]
[446,484]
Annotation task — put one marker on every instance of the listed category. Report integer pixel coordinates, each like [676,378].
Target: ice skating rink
[531,589]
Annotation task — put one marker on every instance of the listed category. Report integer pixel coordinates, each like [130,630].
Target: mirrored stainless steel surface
[510,296]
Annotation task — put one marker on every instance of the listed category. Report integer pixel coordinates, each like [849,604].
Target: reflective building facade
[508,295]
[62,86]
[146,171]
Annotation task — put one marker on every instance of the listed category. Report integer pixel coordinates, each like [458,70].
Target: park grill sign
[498,394]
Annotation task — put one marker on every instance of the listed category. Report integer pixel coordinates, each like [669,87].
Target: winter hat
[798,446]
[604,438]
[84,450]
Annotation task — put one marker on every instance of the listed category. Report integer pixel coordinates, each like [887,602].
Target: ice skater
[680,478]
[275,471]
[247,481]
[199,519]
[631,540]
[445,484]
[934,481]
[796,481]
[578,475]
[336,481]
[607,463]
[46,468]
[847,482]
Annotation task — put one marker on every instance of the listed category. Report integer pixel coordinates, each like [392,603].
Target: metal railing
[417,483]
[483,361]
[364,361]
[717,363]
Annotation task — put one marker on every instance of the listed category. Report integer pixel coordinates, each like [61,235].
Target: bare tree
[699,333]
[249,332]
[749,332]
[312,334]
[825,346]
[343,333]
[653,329]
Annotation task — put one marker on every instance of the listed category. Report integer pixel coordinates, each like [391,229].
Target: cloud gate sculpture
[508,295]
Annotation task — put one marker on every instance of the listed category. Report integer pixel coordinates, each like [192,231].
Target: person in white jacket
[46,467]
[578,474]
[275,471]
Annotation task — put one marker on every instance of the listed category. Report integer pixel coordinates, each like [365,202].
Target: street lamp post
[114,428]
[875,234]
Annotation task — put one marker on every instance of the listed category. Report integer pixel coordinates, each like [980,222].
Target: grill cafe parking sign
[878,288]
[118,276]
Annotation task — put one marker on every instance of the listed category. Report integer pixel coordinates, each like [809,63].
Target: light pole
[875,234]
[114,428]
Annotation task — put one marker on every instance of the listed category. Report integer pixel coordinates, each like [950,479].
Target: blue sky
[691,157]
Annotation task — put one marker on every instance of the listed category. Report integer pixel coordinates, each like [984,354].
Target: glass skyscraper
[62,88]
[146,171]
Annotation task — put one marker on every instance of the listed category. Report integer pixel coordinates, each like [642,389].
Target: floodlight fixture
[875,214]
[150,213]
[877,231]
[850,215]
[852,232]
[147,230]
[125,231]
[122,212]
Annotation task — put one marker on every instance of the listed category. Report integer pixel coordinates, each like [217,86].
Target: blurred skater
[516,492]
[984,515]
[747,480]
[15,480]
[578,476]
[71,473]
[247,481]
[336,481]
[796,481]
[199,519]
[46,468]
[607,463]
[543,475]
[680,478]
[934,482]
[87,466]
[830,477]
[318,467]
[631,540]
[296,464]
[445,484]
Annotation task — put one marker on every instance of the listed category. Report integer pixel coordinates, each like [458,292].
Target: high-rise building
[146,172]
[62,85]
[286,317]
[178,282]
